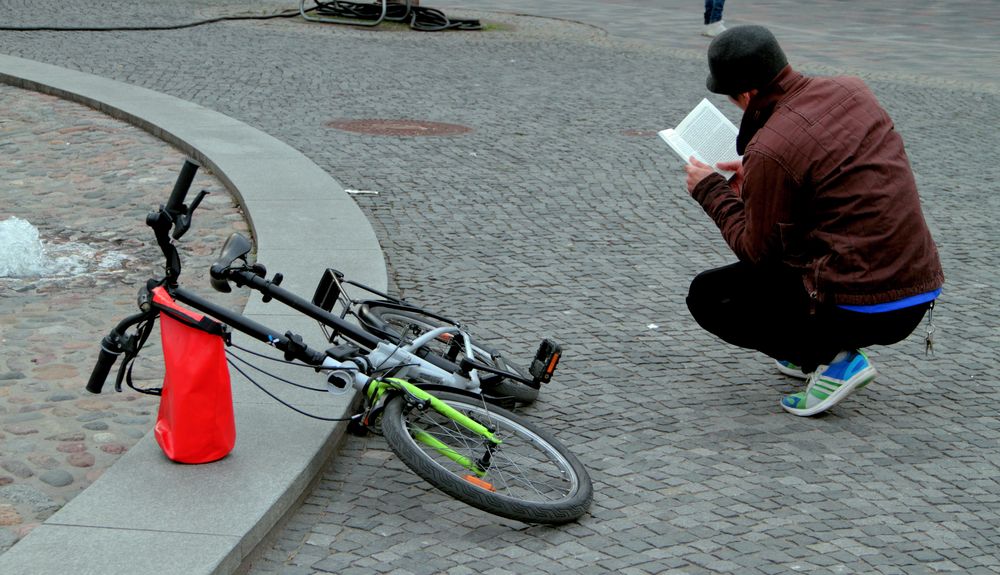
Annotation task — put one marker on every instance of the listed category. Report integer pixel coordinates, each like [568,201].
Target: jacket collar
[762,105]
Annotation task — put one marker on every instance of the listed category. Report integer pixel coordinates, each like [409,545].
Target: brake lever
[183,221]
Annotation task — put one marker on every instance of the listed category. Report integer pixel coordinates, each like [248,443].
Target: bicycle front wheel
[406,325]
[529,476]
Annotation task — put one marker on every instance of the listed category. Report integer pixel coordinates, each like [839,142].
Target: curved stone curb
[146,514]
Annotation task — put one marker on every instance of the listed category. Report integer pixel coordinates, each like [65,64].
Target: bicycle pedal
[546,360]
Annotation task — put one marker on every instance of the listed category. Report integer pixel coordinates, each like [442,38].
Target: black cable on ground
[143,28]
[421,18]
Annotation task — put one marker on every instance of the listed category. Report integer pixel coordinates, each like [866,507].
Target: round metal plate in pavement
[407,128]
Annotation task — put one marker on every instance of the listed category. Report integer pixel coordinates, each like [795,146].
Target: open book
[705,134]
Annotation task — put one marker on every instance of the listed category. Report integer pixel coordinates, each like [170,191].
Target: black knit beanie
[743,58]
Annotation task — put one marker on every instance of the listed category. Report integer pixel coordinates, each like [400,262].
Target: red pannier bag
[195,423]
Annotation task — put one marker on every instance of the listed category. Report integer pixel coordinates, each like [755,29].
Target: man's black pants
[767,309]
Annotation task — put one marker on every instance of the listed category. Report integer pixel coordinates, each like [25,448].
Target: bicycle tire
[398,325]
[536,479]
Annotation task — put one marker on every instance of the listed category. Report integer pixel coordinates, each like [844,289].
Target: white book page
[675,141]
[706,134]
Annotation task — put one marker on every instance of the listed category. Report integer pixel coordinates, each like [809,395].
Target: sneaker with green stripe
[790,369]
[830,384]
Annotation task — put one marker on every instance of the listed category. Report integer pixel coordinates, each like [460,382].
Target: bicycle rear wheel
[405,325]
[529,476]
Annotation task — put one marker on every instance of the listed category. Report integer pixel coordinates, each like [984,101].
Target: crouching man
[823,215]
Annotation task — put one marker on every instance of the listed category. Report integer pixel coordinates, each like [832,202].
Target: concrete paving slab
[145,491]
[300,180]
[68,549]
[308,226]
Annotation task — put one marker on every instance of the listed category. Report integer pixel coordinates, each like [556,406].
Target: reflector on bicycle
[546,359]
[480,483]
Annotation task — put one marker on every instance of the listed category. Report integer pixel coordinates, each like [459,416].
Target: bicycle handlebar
[175,205]
[178,213]
[105,360]
[112,346]
[176,216]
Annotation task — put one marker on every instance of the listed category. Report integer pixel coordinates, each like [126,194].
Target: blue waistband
[894,305]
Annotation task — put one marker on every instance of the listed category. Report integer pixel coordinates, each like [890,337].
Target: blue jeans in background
[713,11]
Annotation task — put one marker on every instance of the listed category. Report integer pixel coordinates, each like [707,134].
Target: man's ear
[743,99]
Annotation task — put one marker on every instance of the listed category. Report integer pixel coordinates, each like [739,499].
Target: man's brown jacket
[828,191]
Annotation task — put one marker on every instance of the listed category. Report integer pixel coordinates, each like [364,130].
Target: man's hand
[735,182]
[696,172]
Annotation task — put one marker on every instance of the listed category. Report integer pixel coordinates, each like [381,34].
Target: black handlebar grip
[181,186]
[105,360]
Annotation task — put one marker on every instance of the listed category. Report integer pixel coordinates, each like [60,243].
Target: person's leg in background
[713,18]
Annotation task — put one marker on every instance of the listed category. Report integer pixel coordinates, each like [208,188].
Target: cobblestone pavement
[921,41]
[85,182]
[560,214]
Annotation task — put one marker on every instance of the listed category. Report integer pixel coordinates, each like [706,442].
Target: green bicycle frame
[378,388]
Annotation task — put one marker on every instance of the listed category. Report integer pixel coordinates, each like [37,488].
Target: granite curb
[206,519]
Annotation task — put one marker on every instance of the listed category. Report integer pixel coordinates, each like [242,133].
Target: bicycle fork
[375,390]
[422,400]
